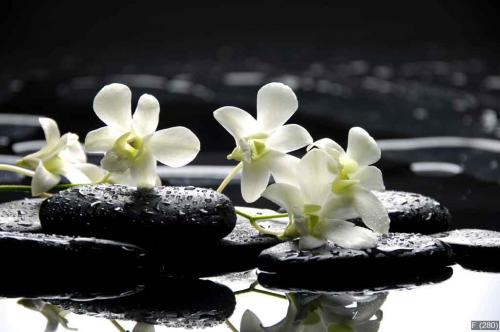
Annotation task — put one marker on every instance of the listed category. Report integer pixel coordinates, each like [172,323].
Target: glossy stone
[238,251]
[413,213]
[147,217]
[42,265]
[20,216]
[188,303]
[394,253]
[475,249]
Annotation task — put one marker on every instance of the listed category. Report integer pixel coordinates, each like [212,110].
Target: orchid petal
[250,322]
[373,213]
[43,180]
[175,147]
[276,103]
[143,170]
[112,106]
[347,235]
[146,115]
[83,173]
[73,153]
[289,138]
[339,207]
[254,180]
[362,147]
[314,177]
[236,121]
[370,177]
[286,196]
[102,139]
[327,144]
[283,167]
[50,130]
[308,242]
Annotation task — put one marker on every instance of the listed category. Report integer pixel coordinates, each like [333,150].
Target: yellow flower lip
[257,150]
[128,145]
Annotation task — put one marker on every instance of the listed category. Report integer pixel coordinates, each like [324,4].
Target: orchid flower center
[54,164]
[311,213]
[128,145]
[343,183]
[250,149]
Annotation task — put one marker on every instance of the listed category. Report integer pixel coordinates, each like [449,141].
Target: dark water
[436,117]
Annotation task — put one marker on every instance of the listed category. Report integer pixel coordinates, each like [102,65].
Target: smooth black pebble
[145,217]
[238,251]
[413,213]
[188,303]
[42,265]
[397,258]
[20,215]
[474,249]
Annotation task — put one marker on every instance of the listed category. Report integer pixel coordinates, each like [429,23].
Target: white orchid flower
[316,215]
[262,144]
[356,178]
[130,143]
[61,156]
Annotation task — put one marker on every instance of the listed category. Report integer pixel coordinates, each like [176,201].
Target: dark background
[400,69]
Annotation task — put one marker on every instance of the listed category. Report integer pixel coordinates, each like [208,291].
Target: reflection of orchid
[315,214]
[262,143]
[324,313]
[355,177]
[131,143]
[61,156]
[55,315]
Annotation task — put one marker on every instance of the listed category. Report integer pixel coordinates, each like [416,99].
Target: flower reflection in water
[324,313]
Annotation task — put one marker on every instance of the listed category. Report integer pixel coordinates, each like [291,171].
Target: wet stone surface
[395,253]
[238,251]
[188,303]
[20,215]
[35,265]
[475,249]
[146,217]
[413,213]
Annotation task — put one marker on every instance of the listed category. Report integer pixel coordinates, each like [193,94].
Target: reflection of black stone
[238,251]
[346,282]
[413,213]
[397,258]
[474,249]
[188,303]
[20,216]
[147,217]
[41,265]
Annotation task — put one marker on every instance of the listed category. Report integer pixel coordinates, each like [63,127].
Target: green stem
[118,326]
[231,326]
[10,187]
[255,224]
[272,216]
[230,176]
[279,296]
[17,169]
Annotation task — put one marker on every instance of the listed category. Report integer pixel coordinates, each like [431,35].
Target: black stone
[413,213]
[238,251]
[42,265]
[20,216]
[474,249]
[394,253]
[146,217]
[188,303]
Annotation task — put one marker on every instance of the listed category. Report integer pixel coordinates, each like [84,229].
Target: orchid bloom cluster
[130,143]
[321,191]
